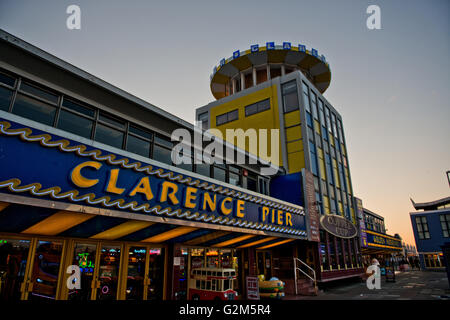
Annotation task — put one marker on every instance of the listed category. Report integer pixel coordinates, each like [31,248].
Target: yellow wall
[268,119]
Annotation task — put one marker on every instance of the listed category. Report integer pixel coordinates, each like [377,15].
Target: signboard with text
[311,206]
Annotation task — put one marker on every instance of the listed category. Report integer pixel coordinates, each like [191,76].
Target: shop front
[385,248]
[339,249]
[134,228]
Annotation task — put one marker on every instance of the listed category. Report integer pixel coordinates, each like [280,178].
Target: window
[251,184]
[162,150]
[5,79]
[327,113]
[227,117]
[203,118]
[263,186]
[219,174]
[203,169]
[234,176]
[76,119]
[34,109]
[139,141]
[312,149]
[290,97]
[314,105]
[333,122]
[445,224]
[40,93]
[329,169]
[422,228]
[257,107]
[5,98]
[321,113]
[306,97]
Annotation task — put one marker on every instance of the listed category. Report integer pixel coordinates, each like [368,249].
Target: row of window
[424,232]
[338,253]
[373,223]
[29,100]
[233,115]
[334,170]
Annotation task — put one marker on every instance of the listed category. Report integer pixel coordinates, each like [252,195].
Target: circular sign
[338,226]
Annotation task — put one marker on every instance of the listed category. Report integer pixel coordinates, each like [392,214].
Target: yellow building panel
[293,133]
[296,162]
[292,118]
[295,146]
[341,208]
[317,126]
[326,204]
[268,119]
[331,139]
[322,168]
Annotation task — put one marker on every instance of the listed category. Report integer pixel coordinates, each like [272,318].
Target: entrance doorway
[145,273]
[264,263]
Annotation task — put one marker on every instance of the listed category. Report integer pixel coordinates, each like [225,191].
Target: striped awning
[40,221]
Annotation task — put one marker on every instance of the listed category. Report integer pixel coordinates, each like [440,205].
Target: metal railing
[313,277]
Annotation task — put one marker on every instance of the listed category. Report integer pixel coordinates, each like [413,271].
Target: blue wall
[288,188]
[436,235]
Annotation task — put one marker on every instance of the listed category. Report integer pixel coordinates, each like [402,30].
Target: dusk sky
[391,86]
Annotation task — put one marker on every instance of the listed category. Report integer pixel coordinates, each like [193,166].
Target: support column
[327,241]
[268,71]
[283,70]
[344,251]
[254,76]
[233,86]
[336,253]
[242,81]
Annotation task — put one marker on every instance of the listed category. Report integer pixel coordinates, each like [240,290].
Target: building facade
[377,243]
[431,227]
[87,182]
[279,88]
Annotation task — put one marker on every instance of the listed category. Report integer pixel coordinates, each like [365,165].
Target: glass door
[145,273]
[107,273]
[264,263]
[42,282]
[13,261]
[84,256]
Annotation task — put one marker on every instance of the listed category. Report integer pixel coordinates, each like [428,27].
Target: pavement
[409,285]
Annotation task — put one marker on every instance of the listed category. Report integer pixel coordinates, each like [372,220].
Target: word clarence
[150,189]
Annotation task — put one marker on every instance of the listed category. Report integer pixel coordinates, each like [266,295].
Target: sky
[391,86]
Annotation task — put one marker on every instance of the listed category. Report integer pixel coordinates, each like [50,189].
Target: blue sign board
[39,164]
[286,45]
[254,48]
[236,54]
[270,45]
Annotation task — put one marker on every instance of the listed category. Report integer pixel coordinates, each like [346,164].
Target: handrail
[295,273]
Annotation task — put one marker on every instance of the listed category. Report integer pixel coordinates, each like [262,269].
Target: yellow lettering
[273,216]
[226,211]
[265,213]
[288,219]
[166,185]
[240,209]
[112,182]
[207,200]
[189,197]
[81,181]
[280,217]
[143,187]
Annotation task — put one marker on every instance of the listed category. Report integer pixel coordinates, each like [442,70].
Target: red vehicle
[212,284]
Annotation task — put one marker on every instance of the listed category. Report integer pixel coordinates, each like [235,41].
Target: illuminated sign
[375,239]
[64,170]
[286,45]
[254,48]
[236,54]
[338,226]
